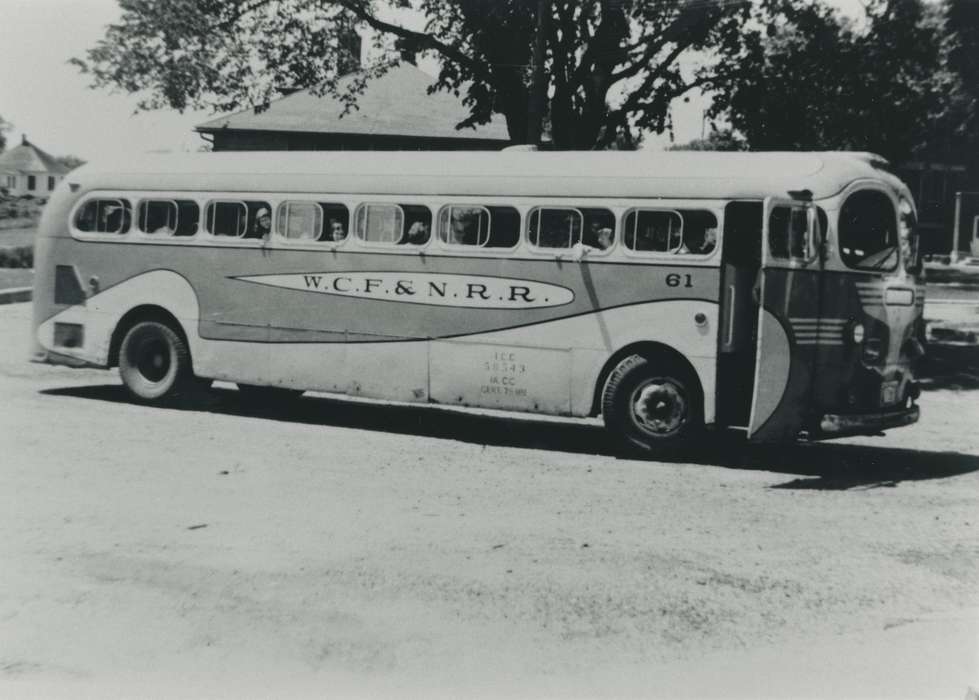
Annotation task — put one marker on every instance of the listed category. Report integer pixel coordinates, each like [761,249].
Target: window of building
[554,228]
[868,231]
[479,226]
[789,237]
[50,182]
[104,216]
[31,183]
[653,231]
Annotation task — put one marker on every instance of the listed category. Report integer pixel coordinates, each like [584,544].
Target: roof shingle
[29,158]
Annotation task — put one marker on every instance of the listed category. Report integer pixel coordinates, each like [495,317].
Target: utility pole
[538,87]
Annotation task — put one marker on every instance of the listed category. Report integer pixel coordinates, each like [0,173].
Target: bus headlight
[857,333]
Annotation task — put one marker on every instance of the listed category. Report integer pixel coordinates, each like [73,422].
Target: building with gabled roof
[395,112]
[29,170]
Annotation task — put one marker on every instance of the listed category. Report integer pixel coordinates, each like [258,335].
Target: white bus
[773,294]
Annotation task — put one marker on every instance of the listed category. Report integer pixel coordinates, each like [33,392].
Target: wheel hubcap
[153,360]
[659,407]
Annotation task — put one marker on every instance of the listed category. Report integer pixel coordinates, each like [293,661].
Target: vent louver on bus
[67,286]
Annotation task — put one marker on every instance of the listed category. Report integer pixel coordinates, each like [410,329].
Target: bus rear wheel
[154,364]
[652,405]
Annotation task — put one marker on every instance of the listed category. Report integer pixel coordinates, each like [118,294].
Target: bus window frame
[657,254]
[153,235]
[833,206]
[383,245]
[864,185]
[279,237]
[812,230]
[446,209]
[112,196]
[240,238]
[547,250]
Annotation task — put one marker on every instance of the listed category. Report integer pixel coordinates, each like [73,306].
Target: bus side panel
[792,304]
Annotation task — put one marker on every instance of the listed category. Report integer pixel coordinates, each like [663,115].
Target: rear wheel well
[652,351]
[147,312]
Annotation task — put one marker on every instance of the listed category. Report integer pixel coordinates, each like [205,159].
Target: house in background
[27,169]
[395,112]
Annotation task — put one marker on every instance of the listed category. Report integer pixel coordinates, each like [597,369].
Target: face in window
[336,232]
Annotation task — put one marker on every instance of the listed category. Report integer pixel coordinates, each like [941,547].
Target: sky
[49,101]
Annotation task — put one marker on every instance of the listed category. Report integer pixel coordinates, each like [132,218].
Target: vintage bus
[773,294]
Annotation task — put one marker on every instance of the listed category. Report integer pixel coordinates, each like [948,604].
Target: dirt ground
[351,549]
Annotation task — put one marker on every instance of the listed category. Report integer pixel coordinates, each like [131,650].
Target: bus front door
[788,296]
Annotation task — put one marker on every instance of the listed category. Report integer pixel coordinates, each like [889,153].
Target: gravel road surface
[354,549]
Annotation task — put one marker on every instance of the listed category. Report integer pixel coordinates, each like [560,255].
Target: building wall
[21,182]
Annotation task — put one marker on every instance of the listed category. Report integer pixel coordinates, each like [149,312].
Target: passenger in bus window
[263,223]
[417,233]
[698,241]
[336,233]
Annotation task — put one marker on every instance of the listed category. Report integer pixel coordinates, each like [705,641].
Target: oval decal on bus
[471,291]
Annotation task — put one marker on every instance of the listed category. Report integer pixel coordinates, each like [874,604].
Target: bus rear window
[104,216]
[868,231]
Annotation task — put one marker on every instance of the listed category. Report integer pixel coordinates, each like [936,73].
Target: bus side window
[188,217]
[299,221]
[258,221]
[418,225]
[599,230]
[699,232]
[480,226]
[554,228]
[653,231]
[158,216]
[336,222]
[226,218]
[104,216]
[380,223]
[788,234]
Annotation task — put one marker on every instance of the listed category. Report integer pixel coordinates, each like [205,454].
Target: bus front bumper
[842,424]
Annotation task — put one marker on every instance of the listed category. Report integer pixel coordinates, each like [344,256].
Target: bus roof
[636,174]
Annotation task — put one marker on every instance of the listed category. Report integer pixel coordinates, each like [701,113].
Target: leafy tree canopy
[71,162]
[808,78]
[612,66]
[720,140]
[5,126]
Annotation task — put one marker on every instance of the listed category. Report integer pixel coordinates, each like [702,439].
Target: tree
[70,162]
[5,126]
[612,66]
[720,140]
[807,78]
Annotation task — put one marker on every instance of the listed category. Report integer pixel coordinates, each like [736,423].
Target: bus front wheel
[652,405]
[154,363]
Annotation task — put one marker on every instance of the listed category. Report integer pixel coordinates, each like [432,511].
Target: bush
[21,256]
